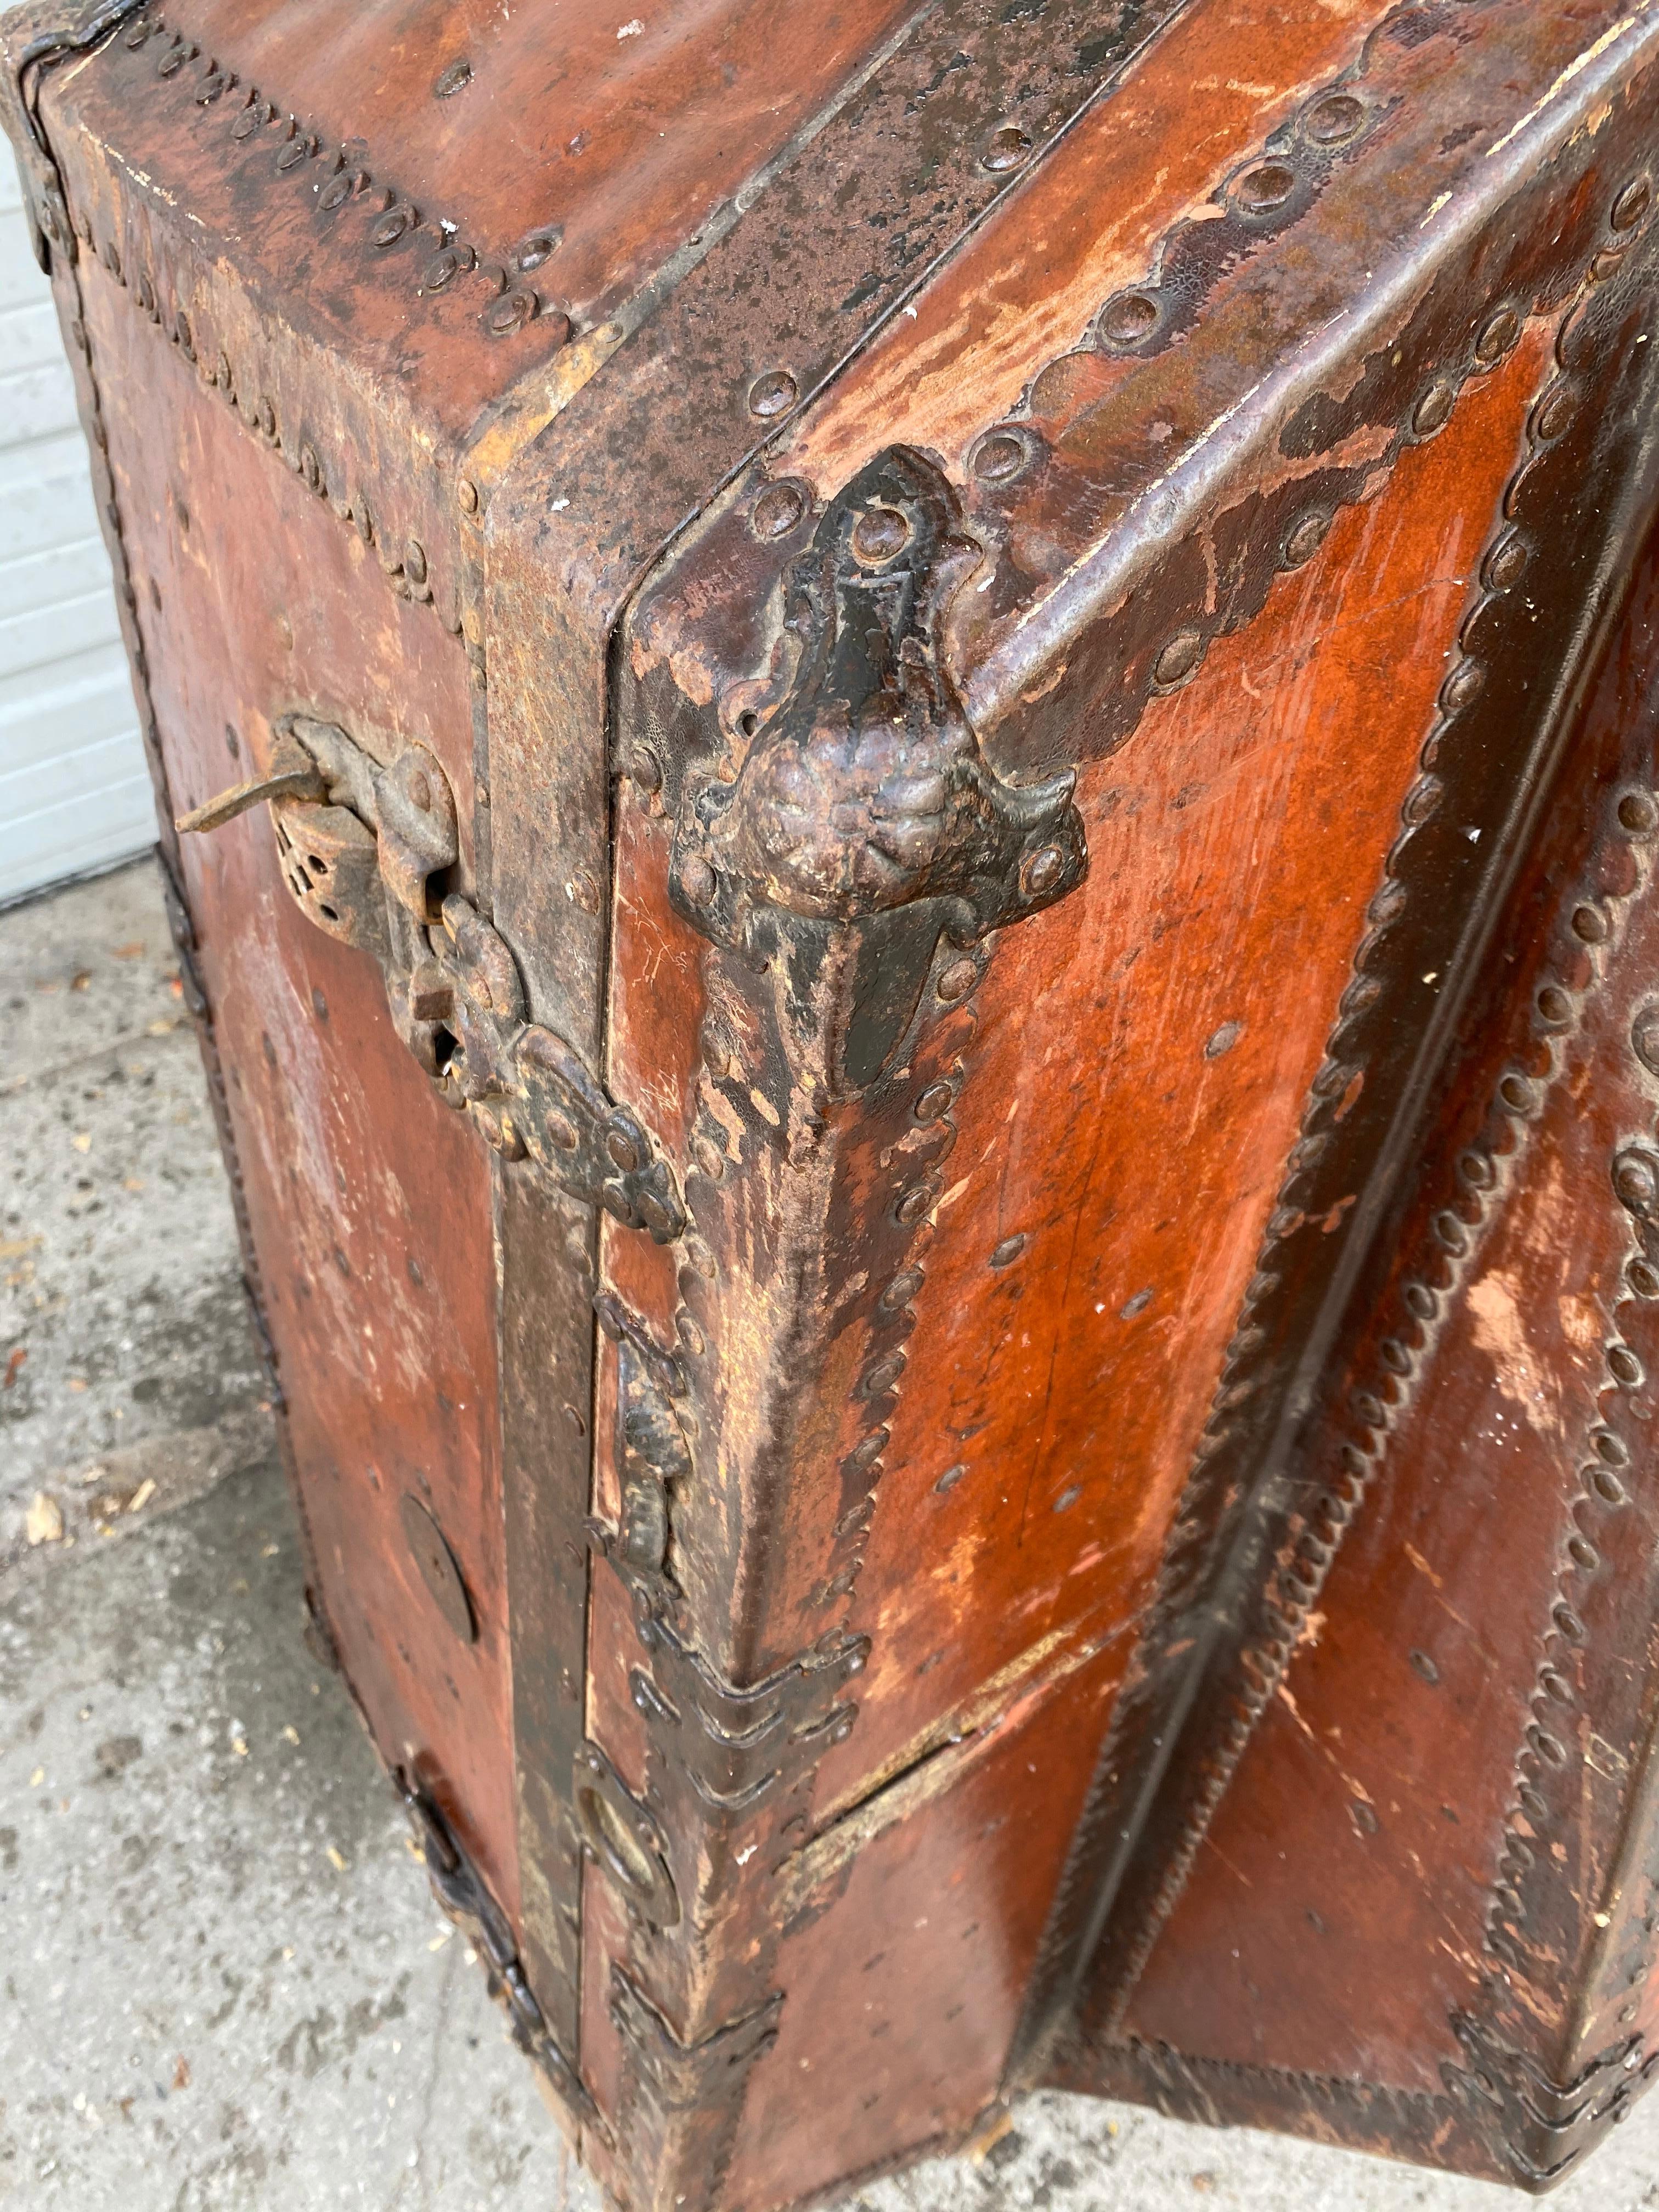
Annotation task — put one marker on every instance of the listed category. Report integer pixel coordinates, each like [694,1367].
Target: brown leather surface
[905,1972]
[934,1450]
[615,148]
[370,1201]
[1140,1065]
[1343,1905]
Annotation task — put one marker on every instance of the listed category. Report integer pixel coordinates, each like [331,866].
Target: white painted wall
[74,791]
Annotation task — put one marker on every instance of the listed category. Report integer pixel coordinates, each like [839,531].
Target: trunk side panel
[370,1202]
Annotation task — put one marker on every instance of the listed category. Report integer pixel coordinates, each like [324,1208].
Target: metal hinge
[365,852]
[461,1890]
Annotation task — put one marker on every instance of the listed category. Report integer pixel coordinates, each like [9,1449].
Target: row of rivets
[514,305]
[1331,120]
[1262,1667]
[1635,1177]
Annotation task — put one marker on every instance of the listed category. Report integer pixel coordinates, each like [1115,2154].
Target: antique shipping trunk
[918,769]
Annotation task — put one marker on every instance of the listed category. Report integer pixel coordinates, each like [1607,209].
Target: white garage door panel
[74,791]
[112,815]
[57,574]
[35,402]
[90,698]
[28,333]
[56,632]
[46,497]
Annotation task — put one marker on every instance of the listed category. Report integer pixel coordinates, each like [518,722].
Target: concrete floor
[223,1984]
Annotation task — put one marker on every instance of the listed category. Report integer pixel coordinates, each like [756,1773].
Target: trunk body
[926,993]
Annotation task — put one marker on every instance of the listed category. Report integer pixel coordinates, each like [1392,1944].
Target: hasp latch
[367,853]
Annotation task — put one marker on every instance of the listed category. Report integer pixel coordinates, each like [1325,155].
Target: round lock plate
[439,1570]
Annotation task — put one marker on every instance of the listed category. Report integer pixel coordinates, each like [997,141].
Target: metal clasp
[367,853]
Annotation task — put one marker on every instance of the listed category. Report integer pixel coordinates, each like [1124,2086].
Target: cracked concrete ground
[223,1984]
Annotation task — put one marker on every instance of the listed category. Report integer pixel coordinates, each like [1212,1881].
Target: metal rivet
[1610,1450]
[335,193]
[958,978]
[1464,685]
[777,511]
[251,119]
[454,79]
[622,1150]
[1009,1250]
[1042,870]
[1422,1664]
[697,881]
[645,768]
[1421,1301]
[1330,121]
[1606,1486]
[1497,334]
[512,311]
[1126,319]
[390,227]
[773,393]
[1261,189]
[709,1157]
[584,891]
[1631,204]
[690,1336]
[1637,815]
[999,455]
[1635,1181]
[1450,1233]
[1644,1037]
[1306,536]
[540,247]
[136,33]
[1005,147]
[1553,1006]
[1643,1278]
[443,266]
[900,1292]
[561,1131]
[1506,563]
[296,151]
[1179,657]
[934,1100]
[1624,1366]
[1517,1094]
[913,1204]
[419,790]
[1433,411]
[881,533]
[1554,411]
[181,332]
[881,1377]
[415,562]
[1475,1170]
[466,495]
[1589,924]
